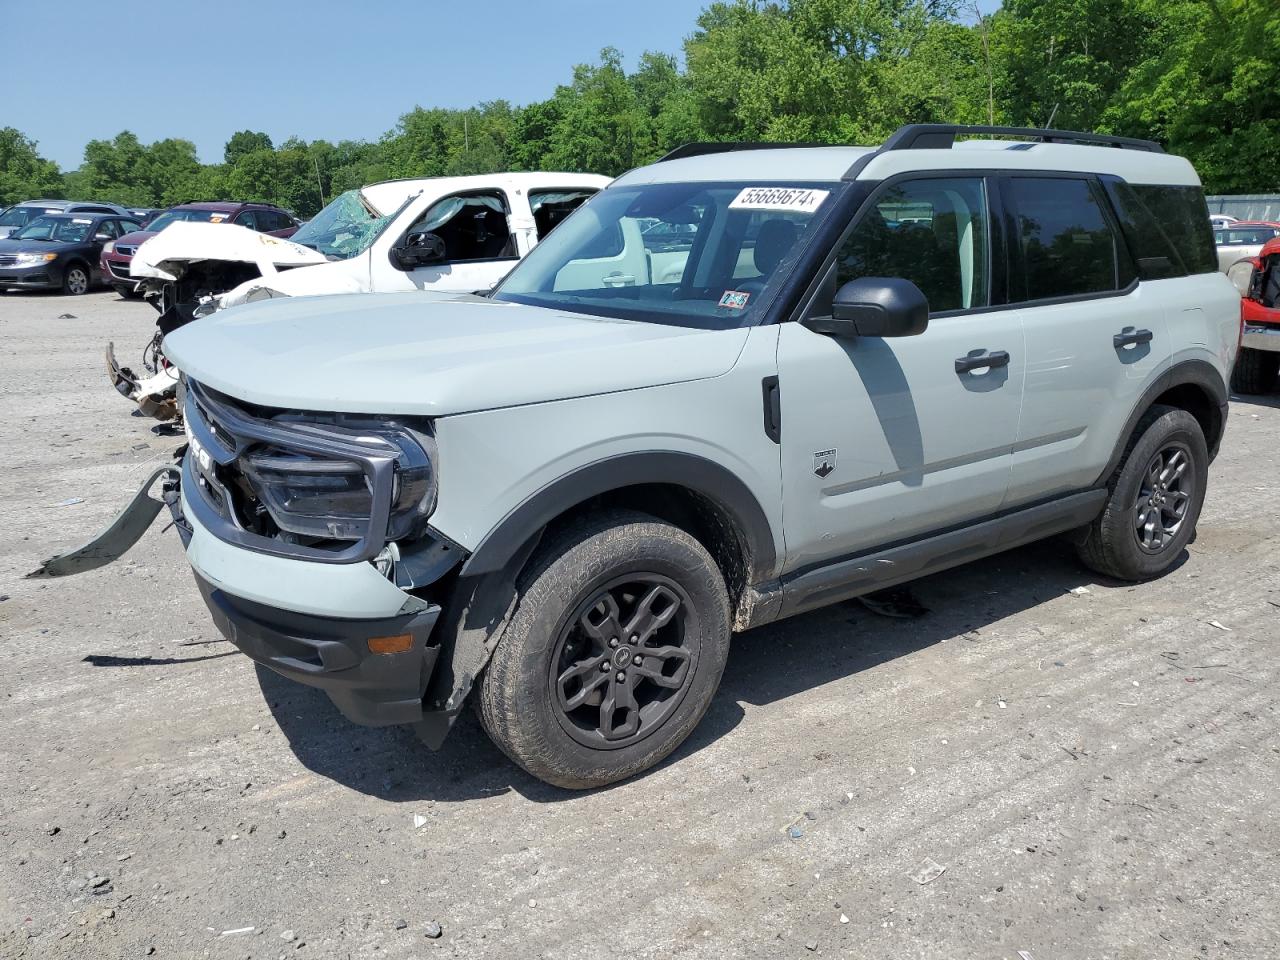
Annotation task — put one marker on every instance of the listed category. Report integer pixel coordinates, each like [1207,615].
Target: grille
[126,251]
[8,261]
[120,270]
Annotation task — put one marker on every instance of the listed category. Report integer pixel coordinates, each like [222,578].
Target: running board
[845,579]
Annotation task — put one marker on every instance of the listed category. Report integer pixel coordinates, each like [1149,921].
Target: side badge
[824,462]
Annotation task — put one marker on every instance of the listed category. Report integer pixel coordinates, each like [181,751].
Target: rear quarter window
[1184,216]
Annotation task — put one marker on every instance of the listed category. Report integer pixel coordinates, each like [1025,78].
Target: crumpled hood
[166,255]
[434,354]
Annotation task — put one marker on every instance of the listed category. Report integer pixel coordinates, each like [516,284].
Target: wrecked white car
[447,234]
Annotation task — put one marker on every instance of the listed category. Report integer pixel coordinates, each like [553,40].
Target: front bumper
[332,654]
[38,276]
[312,622]
[1259,337]
[115,271]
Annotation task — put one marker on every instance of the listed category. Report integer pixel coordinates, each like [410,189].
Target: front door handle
[1129,337]
[978,361]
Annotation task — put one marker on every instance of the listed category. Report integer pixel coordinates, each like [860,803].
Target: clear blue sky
[203,69]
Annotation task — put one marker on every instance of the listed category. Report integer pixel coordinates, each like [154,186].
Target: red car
[262,217]
[1258,280]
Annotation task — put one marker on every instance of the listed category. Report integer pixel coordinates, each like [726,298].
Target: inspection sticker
[793,199]
[735,299]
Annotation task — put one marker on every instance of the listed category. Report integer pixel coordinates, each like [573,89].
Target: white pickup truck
[447,234]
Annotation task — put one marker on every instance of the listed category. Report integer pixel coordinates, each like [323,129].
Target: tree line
[1201,76]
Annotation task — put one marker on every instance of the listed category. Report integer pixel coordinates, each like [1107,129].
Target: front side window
[1068,247]
[706,255]
[935,233]
[107,230]
[473,227]
[249,219]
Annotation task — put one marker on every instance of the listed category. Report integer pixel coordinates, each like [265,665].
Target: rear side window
[1184,215]
[1069,247]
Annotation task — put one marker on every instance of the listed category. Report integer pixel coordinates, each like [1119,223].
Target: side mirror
[419,249]
[875,307]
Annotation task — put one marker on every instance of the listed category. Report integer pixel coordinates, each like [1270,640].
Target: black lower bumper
[371,689]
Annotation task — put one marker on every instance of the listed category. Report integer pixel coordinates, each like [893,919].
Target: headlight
[25,259]
[332,499]
[108,246]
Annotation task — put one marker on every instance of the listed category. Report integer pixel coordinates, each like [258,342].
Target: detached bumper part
[1259,337]
[371,689]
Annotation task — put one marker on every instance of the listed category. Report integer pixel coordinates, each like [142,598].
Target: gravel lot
[1097,771]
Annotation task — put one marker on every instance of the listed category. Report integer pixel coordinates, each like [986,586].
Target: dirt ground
[1097,770]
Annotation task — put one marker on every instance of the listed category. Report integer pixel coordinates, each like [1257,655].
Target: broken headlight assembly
[329,487]
[321,498]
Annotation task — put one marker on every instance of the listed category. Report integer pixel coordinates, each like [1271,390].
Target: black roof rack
[942,136]
[703,149]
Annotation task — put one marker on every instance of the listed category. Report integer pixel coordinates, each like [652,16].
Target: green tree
[246,141]
[24,174]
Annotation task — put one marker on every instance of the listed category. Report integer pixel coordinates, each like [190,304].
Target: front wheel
[613,653]
[75,279]
[1155,499]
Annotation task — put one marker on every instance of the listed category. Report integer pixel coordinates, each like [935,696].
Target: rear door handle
[1129,336]
[991,358]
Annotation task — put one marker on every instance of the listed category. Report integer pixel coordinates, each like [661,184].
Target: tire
[547,659]
[1128,541]
[1255,371]
[76,279]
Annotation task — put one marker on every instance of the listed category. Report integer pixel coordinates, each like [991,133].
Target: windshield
[346,227]
[19,216]
[195,216]
[701,255]
[58,229]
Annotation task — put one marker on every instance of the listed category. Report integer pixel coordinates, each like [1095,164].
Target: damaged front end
[188,271]
[309,542]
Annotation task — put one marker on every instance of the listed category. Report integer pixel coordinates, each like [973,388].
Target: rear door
[886,439]
[1095,336]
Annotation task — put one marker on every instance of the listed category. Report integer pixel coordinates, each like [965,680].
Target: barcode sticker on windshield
[76,220]
[793,199]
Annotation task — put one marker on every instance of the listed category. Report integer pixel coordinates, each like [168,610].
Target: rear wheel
[1255,371]
[75,279]
[612,655]
[1155,499]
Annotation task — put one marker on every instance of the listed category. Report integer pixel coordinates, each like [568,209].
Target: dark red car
[1258,280]
[262,217]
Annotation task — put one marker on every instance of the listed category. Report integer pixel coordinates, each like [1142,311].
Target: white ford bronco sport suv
[734,386]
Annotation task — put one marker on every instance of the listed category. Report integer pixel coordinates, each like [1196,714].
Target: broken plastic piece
[125,530]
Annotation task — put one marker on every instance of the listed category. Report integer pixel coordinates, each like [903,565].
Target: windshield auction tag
[74,220]
[735,299]
[791,199]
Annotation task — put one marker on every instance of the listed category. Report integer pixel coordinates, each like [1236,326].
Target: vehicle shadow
[766,666]
[1260,400]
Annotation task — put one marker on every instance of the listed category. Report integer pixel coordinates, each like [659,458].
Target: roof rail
[942,136]
[703,149]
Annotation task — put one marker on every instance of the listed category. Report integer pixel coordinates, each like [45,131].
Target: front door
[886,439]
[480,248]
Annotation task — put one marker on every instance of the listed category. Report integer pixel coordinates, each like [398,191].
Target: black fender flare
[485,594]
[1195,373]
[700,475]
